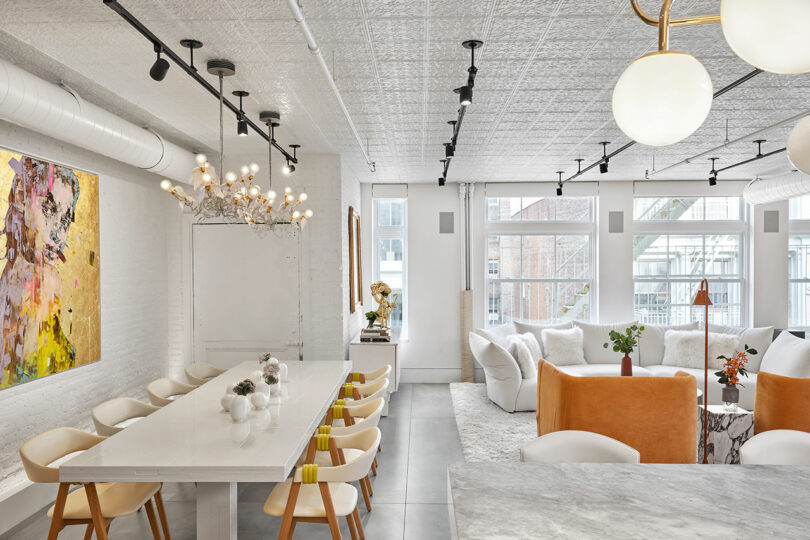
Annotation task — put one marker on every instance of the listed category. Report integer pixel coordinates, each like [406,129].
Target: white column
[216,511]
[614,268]
[768,280]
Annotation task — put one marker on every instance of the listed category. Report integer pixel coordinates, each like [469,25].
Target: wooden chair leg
[368,484]
[57,523]
[95,511]
[292,529]
[379,447]
[359,523]
[364,488]
[150,512]
[88,532]
[287,522]
[352,529]
[162,514]
[374,466]
[331,518]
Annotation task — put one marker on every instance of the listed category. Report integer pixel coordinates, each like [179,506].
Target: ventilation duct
[777,188]
[30,102]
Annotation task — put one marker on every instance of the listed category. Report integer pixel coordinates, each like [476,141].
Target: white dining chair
[93,505]
[371,391]
[324,494]
[574,446]
[114,415]
[163,391]
[369,376]
[200,373]
[777,447]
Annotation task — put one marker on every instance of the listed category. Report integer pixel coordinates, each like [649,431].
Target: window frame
[540,228]
[391,232]
[797,227]
[698,228]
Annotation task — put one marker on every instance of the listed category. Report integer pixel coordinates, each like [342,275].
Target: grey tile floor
[419,439]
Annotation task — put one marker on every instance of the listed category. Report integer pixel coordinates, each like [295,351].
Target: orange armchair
[781,403]
[655,415]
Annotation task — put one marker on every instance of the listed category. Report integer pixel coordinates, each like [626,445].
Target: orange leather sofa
[781,403]
[655,415]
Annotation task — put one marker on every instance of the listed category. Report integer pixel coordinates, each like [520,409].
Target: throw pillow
[520,352]
[534,347]
[595,335]
[651,342]
[537,329]
[685,348]
[788,356]
[563,347]
[758,338]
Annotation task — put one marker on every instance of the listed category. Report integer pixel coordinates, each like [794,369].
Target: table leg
[216,511]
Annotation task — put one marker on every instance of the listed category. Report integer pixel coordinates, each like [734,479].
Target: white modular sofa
[508,389]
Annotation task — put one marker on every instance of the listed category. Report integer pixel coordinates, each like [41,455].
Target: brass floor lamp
[702,299]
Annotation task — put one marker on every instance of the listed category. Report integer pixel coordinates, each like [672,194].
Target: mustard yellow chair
[655,415]
[781,403]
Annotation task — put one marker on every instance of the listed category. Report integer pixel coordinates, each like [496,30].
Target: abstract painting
[49,268]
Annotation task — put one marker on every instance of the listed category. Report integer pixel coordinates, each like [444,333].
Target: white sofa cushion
[685,348]
[498,334]
[596,335]
[788,356]
[537,329]
[526,352]
[651,342]
[603,370]
[563,347]
[757,338]
[502,374]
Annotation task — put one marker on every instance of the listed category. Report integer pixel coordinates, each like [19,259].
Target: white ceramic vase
[275,389]
[262,388]
[260,400]
[256,376]
[283,371]
[226,401]
[240,407]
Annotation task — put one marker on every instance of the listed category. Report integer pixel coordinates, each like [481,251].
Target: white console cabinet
[370,356]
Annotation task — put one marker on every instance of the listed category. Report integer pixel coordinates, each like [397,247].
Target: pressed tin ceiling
[542,95]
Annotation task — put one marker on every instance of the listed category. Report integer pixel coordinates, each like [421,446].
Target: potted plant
[372,317]
[625,342]
[268,358]
[240,406]
[272,377]
[729,376]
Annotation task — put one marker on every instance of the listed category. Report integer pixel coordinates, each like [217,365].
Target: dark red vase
[627,366]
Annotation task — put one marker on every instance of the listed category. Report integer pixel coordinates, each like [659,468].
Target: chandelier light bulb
[243,190]
[230,177]
[254,168]
[206,178]
[254,191]
[287,190]
[244,170]
[271,195]
[296,214]
[302,197]
[308,213]
[165,185]
[662,98]
[772,36]
[201,159]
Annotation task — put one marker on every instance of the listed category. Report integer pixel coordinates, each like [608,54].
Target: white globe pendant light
[662,98]
[772,35]
[798,145]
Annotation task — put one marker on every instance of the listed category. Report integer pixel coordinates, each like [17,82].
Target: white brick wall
[138,309]
[350,196]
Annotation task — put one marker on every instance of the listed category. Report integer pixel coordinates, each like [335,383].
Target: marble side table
[727,433]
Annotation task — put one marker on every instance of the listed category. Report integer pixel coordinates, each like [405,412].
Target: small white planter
[283,371]
[226,401]
[260,400]
[240,407]
[262,388]
[275,389]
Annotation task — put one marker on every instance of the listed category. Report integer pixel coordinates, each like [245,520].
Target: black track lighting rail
[751,160]
[191,71]
[727,88]
[472,71]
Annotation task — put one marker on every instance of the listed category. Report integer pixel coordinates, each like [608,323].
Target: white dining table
[194,440]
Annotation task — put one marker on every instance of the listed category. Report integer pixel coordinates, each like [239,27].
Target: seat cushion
[596,335]
[526,399]
[651,342]
[602,370]
[324,459]
[116,499]
[310,502]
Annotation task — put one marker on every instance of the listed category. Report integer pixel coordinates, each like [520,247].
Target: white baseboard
[18,504]
[435,375]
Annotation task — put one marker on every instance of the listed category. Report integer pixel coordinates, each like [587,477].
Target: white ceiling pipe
[298,15]
[30,102]
[777,188]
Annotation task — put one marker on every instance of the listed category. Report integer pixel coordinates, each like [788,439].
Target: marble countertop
[521,500]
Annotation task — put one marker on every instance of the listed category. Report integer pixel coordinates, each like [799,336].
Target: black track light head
[241,123]
[449,150]
[442,181]
[603,167]
[559,183]
[289,168]
[713,173]
[242,128]
[465,95]
[160,68]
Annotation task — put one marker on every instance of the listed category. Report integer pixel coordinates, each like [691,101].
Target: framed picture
[49,268]
[355,262]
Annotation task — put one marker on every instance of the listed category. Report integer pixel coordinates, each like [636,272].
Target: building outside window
[678,242]
[540,258]
[390,252]
[799,263]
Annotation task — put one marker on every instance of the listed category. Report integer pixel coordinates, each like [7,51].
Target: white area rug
[488,433]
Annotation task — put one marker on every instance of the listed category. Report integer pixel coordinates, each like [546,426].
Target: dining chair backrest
[41,450]
[115,411]
[372,376]
[200,373]
[366,415]
[367,441]
[371,390]
[573,446]
[777,447]
[160,390]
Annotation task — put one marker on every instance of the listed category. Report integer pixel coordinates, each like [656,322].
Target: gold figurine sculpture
[381,293]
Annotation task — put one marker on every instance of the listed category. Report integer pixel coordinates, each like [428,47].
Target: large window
[679,241]
[799,263]
[539,259]
[390,251]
